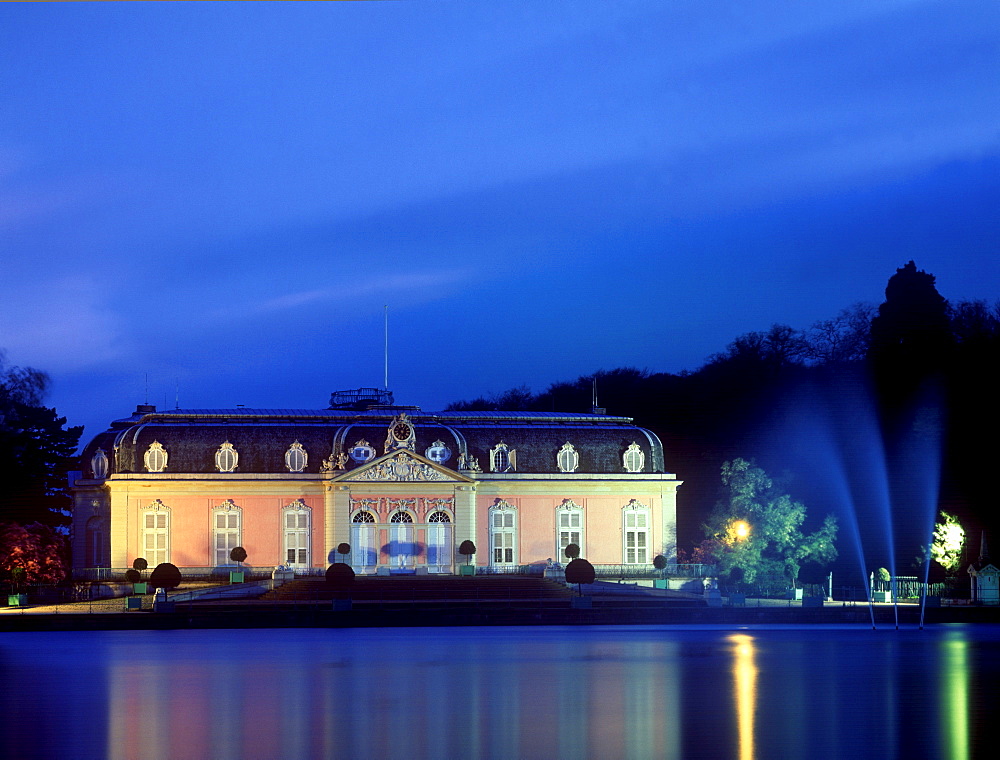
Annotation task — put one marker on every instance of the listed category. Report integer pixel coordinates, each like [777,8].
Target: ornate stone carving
[568,458]
[227,458]
[402,467]
[400,434]
[296,458]
[155,457]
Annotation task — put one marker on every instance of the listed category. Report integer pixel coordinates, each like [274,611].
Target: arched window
[568,459]
[502,458]
[297,522]
[569,529]
[99,464]
[155,457]
[227,524]
[363,546]
[503,534]
[439,541]
[296,458]
[226,458]
[633,459]
[155,528]
[401,549]
[635,533]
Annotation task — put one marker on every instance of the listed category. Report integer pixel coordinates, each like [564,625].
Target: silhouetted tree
[165,575]
[35,450]
[579,571]
[339,575]
[572,551]
[843,339]
[238,555]
[911,334]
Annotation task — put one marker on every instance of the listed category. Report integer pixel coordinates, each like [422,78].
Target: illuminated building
[403,487]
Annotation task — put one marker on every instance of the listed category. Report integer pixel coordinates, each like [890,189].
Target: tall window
[297,522]
[400,538]
[226,524]
[503,534]
[99,464]
[227,458]
[363,546]
[635,532]
[155,540]
[568,458]
[633,459]
[97,556]
[502,458]
[569,528]
[155,457]
[439,542]
[296,458]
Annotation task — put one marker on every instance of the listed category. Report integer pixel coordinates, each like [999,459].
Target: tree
[948,542]
[35,450]
[238,555]
[842,339]
[343,549]
[165,575]
[339,575]
[579,571]
[912,331]
[572,551]
[36,549]
[758,529]
[467,549]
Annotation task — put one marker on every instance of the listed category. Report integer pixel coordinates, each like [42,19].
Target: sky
[208,205]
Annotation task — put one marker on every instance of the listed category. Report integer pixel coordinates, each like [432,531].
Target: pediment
[401,467]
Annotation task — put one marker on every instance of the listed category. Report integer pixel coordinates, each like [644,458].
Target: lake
[517,692]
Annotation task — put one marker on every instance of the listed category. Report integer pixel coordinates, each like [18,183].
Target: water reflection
[954,712]
[745,691]
[505,693]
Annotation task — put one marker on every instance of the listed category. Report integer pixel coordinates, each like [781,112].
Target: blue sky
[222,198]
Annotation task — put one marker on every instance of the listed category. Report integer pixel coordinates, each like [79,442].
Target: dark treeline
[895,404]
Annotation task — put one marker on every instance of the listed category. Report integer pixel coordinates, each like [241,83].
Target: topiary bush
[579,571]
[165,575]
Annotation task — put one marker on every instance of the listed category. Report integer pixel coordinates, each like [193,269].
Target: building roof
[191,438]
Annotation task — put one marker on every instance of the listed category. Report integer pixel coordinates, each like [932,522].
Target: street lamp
[741,530]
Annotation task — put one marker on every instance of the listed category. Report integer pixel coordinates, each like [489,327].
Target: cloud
[58,325]
[415,286]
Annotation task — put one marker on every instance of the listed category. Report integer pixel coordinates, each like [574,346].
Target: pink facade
[403,488]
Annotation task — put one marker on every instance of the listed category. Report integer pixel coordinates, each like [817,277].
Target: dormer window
[226,458]
[438,452]
[296,458]
[502,458]
[362,451]
[634,460]
[99,464]
[155,457]
[568,458]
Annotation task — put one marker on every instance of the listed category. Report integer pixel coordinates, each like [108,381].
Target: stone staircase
[437,589]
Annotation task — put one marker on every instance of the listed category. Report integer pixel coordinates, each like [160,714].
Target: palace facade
[403,488]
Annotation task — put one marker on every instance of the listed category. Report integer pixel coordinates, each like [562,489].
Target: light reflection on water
[602,692]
